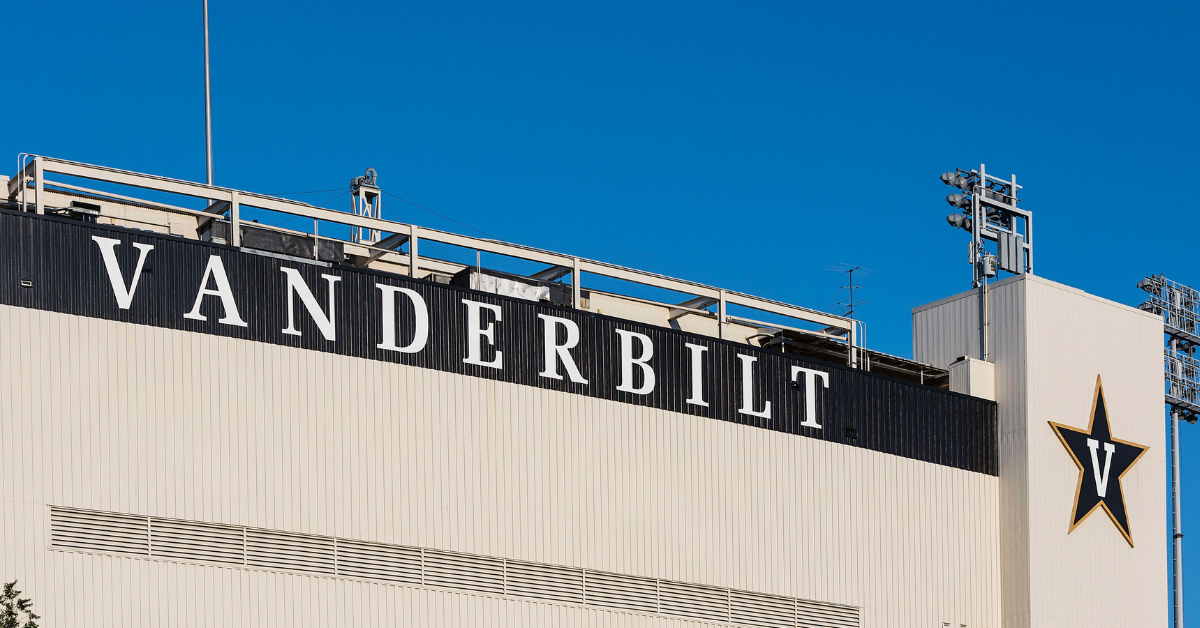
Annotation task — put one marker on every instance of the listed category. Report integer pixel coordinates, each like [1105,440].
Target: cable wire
[321,205]
[429,242]
[442,216]
[299,193]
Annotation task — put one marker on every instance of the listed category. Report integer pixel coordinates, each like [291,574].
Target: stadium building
[210,421]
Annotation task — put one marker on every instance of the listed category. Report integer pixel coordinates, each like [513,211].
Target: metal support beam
[721,314]
[552,273]
[235,219]
[39,190]
[216,209]
[698,303]
[392,242]
[414,261]
[576,289]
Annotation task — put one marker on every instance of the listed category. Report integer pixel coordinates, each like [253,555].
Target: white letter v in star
[1101,476]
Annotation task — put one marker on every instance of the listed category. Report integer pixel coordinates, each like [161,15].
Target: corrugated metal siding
[1049,343]
[886,415]
[109,416]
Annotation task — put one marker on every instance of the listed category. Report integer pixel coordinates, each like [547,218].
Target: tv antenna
[846,300]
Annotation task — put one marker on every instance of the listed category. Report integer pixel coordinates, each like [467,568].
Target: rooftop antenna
[846,305]
[207,101]
[1179,305]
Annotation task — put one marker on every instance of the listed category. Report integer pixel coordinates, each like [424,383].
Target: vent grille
[381,562]
[621,592]
[820,615]
[545,582]
[763,611]
[465,572]
[289,551]
[193,540]
[93,531]
[693,601]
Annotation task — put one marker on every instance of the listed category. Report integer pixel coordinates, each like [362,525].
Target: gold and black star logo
[1102,461]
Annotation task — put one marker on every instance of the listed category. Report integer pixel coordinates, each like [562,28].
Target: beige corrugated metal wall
[116,417]
[1049,342]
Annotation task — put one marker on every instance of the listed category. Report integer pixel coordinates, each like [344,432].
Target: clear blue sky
[750,146]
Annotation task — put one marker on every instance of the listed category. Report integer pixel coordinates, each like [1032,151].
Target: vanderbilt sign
[169,282]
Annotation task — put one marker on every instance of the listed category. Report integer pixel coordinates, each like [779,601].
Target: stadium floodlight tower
[1177,304]
[989,211]
[364,196]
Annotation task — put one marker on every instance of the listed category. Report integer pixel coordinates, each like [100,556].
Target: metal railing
[226,202]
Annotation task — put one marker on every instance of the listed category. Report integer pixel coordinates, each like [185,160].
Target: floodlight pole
[1177,304]
[207,102]
[1176,521]
[1176,497]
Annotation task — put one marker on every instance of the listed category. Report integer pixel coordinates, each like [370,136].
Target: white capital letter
[697,352]
[108,251]
[810,393]
[216,270]
[295,283]
[420,319]
[475,334]
[563,351]
[628,362]
[748,389]
[1101,476]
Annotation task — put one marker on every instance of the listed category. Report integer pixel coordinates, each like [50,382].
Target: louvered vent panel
[693,601]
[92,531]
[192,540]
[272,549]
[617,591]
[545,582]
[464,572]
[817,615]
[762,611]
[378,561]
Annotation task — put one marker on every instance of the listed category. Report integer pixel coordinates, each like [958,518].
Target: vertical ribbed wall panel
[114,417]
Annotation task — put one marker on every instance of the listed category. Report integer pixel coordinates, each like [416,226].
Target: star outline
[1126,530]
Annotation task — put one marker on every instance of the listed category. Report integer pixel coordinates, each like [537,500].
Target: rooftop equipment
[28,190]
[989,211]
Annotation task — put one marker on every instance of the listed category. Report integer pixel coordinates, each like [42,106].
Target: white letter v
[1101,476]
[108,250]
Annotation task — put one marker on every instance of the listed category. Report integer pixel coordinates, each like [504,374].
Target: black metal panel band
[54,264]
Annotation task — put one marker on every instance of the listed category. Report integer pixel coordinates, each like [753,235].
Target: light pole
[1177,304]
[207,102]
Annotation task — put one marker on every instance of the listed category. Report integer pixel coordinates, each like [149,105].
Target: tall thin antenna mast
[207,101]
